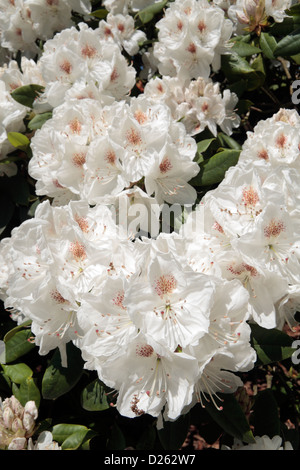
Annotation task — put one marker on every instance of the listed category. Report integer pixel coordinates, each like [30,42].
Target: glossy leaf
[148,13]
[101,14]
[268,44]
[18,140]
[289,45]
[71,436]
[230,417]
[38,121]
[17,373]
[212,171]
[271,345]
[27,94]
[58,380]
[18,345]
[243,49]
[27,391]
[94,398]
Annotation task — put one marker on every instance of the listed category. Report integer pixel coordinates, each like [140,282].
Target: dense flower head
[161,339]
[17,423]
[120,29]
[249,225]
[121,251]
[77,60]
[69,250]
[198,104]
[91,152]
[192,35]
[23,22]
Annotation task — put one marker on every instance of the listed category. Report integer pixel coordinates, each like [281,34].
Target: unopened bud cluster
[17,423]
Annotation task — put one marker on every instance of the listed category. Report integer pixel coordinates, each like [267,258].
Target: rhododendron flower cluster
[23,22]
[191,39]
[250,223]
[18,425]
[198,104]
[154,272]
[171,313]
[79,63]
[87,151]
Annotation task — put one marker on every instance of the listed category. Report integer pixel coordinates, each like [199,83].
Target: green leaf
[15,330]
[294,10]
[271,345]
[226,140]
[27,391]
[265,415]
[243,49]
[17,372]
[267,44]
[18,345]
[231,418]
[18,140]
[204,144]
[59,380]
[173,433]
[235,66]
[101,14]
[27,94]
[63,431]
[71,436]
[148,13]
[288,25]
[93,397]
[77,439]
[39,120]
[238,69]
[212,171]
[289,45]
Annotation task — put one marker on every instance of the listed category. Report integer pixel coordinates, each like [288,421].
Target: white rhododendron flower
[23,22]
[146,380]
[79,55]
[191,38]
[198,104]
[252,15]
[120,29]
[43,442]
[159,276]
[126,6]
[70,250]
[261,443]
[104,150]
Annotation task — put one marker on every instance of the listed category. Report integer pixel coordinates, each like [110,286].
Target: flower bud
[31,409]
[8,417]
[16,425]
[19,443]
[28,423]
